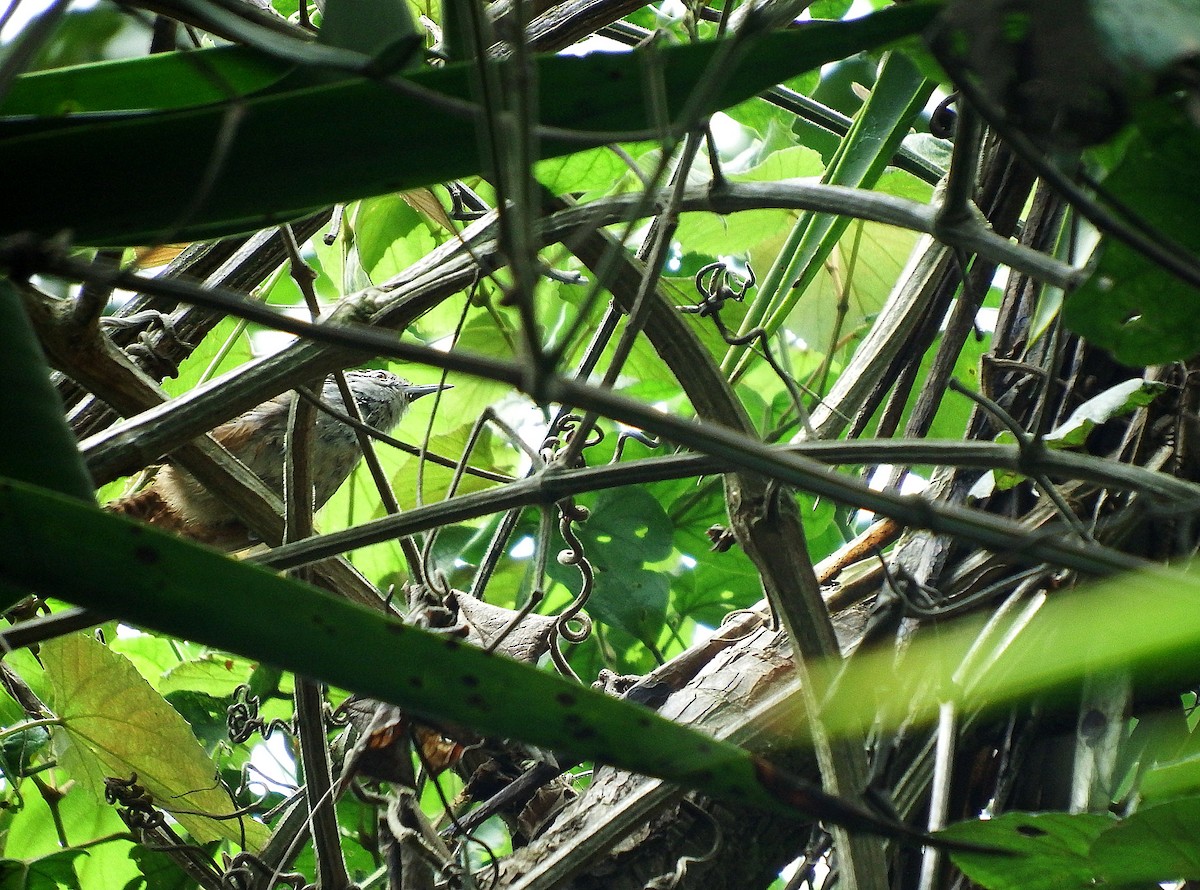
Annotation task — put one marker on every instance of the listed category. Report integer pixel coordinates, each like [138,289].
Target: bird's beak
[416,390]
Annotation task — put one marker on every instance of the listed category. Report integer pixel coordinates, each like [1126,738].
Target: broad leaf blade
[133,177]
[158,82]
[116,725]
[156,580]
[897,97]
[39,448]
[1130,305]
[1053,847]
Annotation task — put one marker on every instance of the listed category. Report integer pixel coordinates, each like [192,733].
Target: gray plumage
[256,438]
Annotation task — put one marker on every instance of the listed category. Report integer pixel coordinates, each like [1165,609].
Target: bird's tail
[150,507]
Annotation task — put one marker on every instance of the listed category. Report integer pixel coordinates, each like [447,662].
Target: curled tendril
[574,635]
[127,792]
[944,118]
[134,803]
[340,716]
[141,821]
[556,435]
[561,433]
[151,351]
[244,790]
[651,442]
[573,512]
[675,877]
[245,870]
[712,283]
[242,720]
[570,514]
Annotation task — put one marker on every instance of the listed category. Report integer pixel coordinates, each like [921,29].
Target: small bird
[176,501]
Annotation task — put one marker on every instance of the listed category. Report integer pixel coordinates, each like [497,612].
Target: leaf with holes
[1053,850]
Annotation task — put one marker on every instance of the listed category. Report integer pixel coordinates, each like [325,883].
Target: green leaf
[1153,846]
[739,233]
[1143,622]
[1073,432]
[1063,852]
[900,93]
[630,526]
[224,348]
[38,448]
[390,236]
[1130,305]
[19,747]
[1054,848]
[159,581]
[32,834]
[162,81]
[717,583]
[625,531]
[584,171]
[115,725]
[53,872]
[157,871]
[635,600]
[124,170]
[215,674]
[1172,778]
[862,267]
[85,35]
[205,714]
[380,28]
[1115,401]
[830,9]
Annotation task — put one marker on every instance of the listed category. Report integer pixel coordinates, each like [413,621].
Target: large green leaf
[212,169]
[38,447]
[1054,847]
[899,94]
[33,833]
[115,725]
[626,531]
[1063,851]
[160,581]
[53,872]
[158,82]
[1130,305]
[1155,845]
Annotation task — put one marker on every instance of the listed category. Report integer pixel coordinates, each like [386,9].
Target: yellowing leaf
[115,724]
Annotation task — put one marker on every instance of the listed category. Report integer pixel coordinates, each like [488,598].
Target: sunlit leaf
[114,725]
